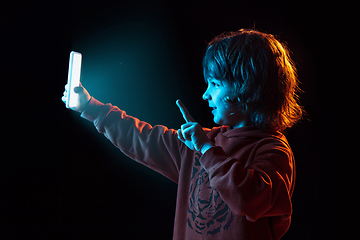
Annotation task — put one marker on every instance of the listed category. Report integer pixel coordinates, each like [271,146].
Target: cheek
[221,115]
[222,107]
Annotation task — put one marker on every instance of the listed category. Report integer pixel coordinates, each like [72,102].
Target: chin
[218,121]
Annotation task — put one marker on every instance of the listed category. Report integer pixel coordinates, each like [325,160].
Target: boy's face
[223,114]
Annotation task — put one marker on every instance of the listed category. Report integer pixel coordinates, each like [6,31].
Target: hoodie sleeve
[261,188]
[156,147]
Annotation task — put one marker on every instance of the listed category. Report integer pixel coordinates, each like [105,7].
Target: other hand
[191,133]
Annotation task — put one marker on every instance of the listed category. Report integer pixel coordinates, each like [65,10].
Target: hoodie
[240,189]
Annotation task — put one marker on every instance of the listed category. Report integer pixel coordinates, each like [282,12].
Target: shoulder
[275,143]
[275,153]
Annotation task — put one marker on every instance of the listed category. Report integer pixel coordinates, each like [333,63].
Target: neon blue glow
[73,79]
[136,65]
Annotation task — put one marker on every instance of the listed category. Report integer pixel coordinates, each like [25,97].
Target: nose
[206,95]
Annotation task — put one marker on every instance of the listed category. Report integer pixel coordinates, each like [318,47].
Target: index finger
[184,111]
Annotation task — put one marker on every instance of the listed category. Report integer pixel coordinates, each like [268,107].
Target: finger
[184,112]
[188,130]
[187,126]
[180,137]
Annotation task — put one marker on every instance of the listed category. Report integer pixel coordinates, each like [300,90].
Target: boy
[234,181]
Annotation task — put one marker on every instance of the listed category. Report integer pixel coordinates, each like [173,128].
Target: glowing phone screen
[73,78]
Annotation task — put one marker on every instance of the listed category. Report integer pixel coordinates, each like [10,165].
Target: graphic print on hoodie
[207,212]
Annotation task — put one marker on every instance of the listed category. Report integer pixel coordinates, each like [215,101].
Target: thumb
[79,89]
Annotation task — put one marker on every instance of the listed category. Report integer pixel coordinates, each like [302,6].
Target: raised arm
[156,147]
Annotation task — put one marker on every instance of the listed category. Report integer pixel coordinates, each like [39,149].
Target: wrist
[206,147]
[85,105]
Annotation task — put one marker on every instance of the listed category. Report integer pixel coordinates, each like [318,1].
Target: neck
[243,122]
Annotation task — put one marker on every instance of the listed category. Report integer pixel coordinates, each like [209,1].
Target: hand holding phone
[75,95]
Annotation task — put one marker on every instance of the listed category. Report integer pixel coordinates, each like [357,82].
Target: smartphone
[73,79]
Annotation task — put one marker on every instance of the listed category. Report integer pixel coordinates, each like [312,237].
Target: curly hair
[262,74]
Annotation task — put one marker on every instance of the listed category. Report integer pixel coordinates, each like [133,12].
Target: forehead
[212,65]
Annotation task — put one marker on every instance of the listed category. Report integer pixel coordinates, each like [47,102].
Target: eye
[214,83]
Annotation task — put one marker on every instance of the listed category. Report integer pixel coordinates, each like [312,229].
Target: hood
[229,138]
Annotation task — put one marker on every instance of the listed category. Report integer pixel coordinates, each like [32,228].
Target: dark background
[60,179]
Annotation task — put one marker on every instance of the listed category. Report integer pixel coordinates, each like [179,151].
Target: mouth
[213,109]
